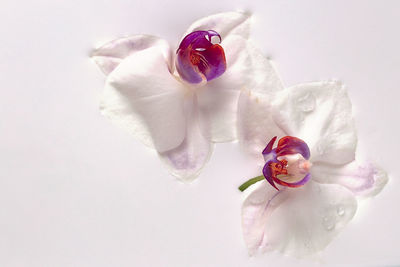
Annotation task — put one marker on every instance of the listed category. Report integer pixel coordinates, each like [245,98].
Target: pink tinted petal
[296,222]
[261,200]
[186,161]
[362,179]
[110,55]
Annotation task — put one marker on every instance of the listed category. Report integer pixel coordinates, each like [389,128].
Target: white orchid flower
[311,180]
[181,103]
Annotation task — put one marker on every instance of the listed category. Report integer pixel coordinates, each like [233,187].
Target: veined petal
[110,55]
[144,98]
[362,179]
[296,222]
[225,24]
[186,161]
[247,69]
[319,113]
[261,200]
[256,126]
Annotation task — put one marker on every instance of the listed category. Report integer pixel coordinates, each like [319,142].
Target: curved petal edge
[111,54]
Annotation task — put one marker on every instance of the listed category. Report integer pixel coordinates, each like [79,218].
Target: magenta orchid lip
[199,59]
[287,164]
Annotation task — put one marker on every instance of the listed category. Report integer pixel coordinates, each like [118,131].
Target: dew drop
[328,223]
[306,103]
[340,210]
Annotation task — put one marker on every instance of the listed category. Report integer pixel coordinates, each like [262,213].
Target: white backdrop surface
[77,191]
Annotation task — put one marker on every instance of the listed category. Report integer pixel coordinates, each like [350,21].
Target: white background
[77,191]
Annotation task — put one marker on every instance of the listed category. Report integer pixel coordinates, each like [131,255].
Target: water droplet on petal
[329,223]
[340,210]
[306,103]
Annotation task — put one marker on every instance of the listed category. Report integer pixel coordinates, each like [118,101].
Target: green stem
[250,182]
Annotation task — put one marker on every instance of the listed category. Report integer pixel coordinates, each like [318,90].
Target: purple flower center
[200,58]
[287,164]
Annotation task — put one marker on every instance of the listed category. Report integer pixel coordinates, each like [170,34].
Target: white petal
[224,23]
[256,126]
[247,69]
[296,221]
[261,200]
[110,55]
[218,111]
[186,161]
[362,179]
[144,98]
[319,113]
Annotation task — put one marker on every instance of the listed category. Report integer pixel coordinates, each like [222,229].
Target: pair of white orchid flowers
[146,95]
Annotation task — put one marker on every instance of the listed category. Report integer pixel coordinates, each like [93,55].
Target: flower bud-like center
[200,58]
[288,163]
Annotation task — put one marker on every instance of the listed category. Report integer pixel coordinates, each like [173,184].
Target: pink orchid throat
[200,58]
[287,164]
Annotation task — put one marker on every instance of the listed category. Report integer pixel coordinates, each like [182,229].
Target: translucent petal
[247,69]
[296,222]
[186,161]
[143,97]
[260,200]
[225,24]
[362,179]
[255,123]
[110,55]
[320,113]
